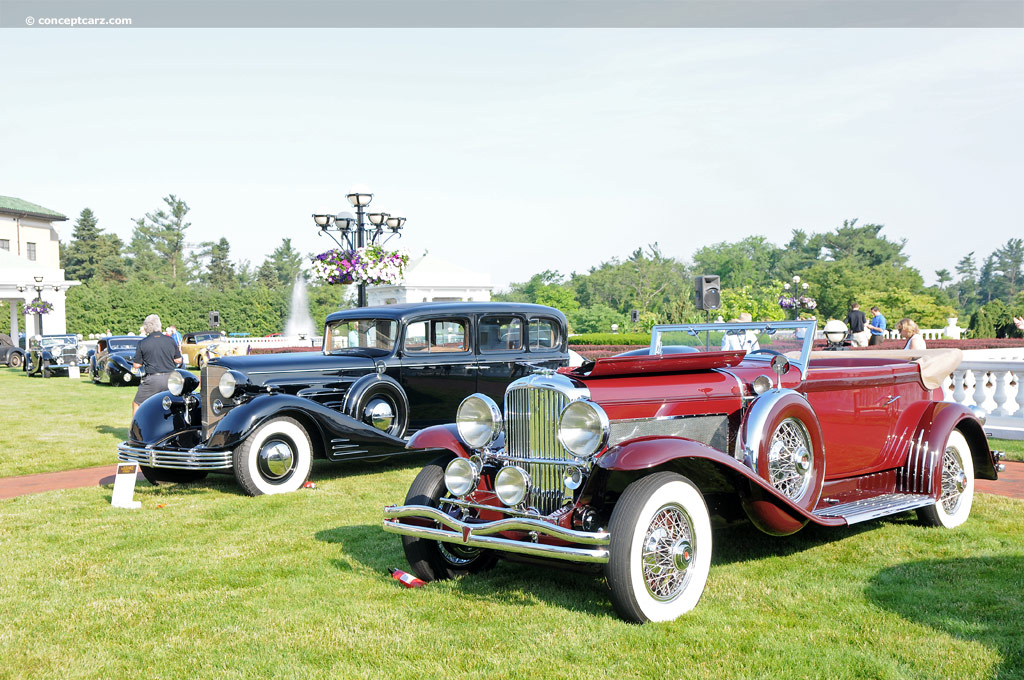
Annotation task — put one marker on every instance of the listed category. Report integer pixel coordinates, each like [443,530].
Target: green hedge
[611,339]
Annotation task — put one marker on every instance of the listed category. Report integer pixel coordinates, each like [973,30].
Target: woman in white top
[909,330]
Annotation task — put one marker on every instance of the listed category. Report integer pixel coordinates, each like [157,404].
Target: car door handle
[476,368]
[893,399]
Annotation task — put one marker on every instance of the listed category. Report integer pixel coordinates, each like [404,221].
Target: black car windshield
[54,340]
[375,337]
[122,344]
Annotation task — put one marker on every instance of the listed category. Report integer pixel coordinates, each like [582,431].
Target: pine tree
[93,256]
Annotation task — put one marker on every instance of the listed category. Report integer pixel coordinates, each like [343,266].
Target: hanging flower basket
[371,265]
[38,307]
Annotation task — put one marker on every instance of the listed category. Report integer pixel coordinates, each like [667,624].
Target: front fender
[320,420]
[440,437]
[942,417]
[648,453]
[152,425]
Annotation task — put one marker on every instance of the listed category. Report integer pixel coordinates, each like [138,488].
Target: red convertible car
[622,462]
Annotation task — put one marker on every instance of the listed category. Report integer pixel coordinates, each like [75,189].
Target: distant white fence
[991,379]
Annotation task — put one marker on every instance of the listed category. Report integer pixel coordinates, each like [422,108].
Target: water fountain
[299,320]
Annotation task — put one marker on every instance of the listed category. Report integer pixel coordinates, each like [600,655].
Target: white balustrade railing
[994,384]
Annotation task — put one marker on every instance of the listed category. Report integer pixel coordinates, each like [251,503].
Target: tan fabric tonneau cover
[935,364]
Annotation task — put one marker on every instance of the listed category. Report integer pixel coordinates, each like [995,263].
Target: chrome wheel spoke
[669,529]
[790,459]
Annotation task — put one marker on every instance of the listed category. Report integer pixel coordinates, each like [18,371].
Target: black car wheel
[156,475]
[275,458]
[438,560]
[384,407]
[14,360]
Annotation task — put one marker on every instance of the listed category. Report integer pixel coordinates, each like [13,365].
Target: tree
[219,273]
[943,276]
[1010,258]
[93,255]
[158,242]
[282,267]
[967,285]
[750,262]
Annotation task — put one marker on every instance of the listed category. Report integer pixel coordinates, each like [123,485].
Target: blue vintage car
[382,373]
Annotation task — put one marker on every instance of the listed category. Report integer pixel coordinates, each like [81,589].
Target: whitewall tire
[276,458]
[957,480]
[660,550]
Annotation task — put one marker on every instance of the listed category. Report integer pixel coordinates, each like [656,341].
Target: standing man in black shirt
[159,354]
[856,322]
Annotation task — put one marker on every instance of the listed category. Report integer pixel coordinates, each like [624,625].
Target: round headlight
[583,428]
[461,477]
[175,383]
[479,420]
[227,385]
[511,484]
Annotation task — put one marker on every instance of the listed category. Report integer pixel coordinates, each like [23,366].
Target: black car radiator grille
[209,380]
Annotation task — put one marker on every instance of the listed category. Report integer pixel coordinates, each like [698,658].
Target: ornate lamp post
[39,298]
[794,298]
[365,228]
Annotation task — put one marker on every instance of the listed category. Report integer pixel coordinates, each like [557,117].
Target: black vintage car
[10,354]
[111,361]
[52,354]
[383,373]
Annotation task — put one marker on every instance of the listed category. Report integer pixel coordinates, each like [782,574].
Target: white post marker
[74,372]
[124,487]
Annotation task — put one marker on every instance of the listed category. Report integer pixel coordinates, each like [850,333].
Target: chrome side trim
[877,506]
[916,475]
[480,535]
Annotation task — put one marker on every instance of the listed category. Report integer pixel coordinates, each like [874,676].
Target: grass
[1013,448]
[204,582]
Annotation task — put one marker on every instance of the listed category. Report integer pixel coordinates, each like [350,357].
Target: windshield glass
[122,344]
[761,341]
[54,340]
[377,335]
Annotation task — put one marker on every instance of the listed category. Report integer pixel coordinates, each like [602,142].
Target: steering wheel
[767,351]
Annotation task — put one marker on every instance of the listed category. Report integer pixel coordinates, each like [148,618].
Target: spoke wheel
[660,550]
[957,485]
[790,459]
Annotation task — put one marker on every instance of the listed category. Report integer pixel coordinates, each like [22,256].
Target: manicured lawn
[1014,448]
[60,424]
[204,582]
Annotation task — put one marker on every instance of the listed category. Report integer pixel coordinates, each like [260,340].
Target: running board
[877,506]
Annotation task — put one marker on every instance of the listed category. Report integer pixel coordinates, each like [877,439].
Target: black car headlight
[583,428]
[479,420]
[181,382]
[229,382]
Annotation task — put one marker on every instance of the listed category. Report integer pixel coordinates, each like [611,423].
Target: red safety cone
[406,579]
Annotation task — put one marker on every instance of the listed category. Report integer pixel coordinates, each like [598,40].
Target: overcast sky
[515,151]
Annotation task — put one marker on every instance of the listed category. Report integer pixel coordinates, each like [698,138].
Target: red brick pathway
[1011,481]
[48,481]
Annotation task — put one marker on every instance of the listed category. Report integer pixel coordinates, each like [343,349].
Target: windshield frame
[697,330]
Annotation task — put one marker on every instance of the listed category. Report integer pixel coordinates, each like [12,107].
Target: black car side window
[544,334]
[501,333]
[435,336]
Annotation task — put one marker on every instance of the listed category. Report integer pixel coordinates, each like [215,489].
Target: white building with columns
[30,265]
[431,279]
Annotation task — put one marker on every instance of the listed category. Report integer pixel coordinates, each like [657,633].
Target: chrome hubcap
[379,414]
[275,459]
[790,461]
[954,480]
[667,552]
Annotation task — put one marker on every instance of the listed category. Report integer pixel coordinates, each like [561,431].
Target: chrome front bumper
[480,535]
[177,459]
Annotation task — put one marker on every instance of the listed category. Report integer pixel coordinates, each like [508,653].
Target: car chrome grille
[209,378]
[531,422]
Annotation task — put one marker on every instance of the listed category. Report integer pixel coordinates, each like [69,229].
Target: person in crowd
[857,323]
[909,331]
[877,327]
[745,340]
[159,355]
[175,335]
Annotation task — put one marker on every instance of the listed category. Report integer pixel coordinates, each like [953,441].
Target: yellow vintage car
[197,348]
